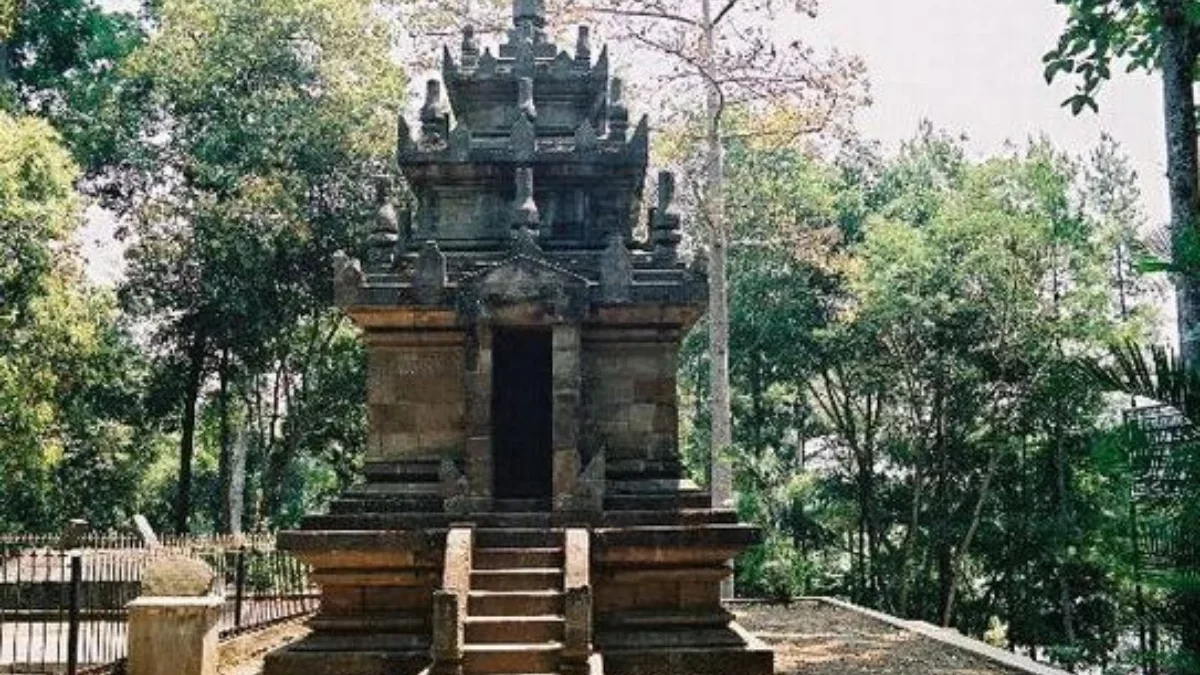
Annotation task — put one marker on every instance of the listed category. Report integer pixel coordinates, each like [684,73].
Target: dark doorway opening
[522,414]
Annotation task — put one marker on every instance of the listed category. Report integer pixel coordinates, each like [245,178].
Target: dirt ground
[817,639]
[244,655]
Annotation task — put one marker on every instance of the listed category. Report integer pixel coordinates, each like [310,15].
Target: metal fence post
[239,587]
[73,613]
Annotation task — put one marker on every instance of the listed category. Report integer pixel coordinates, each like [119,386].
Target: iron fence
[64,611]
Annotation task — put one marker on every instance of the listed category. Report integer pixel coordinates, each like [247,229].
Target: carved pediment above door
[525,289]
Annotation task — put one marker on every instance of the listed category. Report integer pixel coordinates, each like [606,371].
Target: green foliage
[1101,33]
[267,125]
[73,440]
[63,57]
[909,428]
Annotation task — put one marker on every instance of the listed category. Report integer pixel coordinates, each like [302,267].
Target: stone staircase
[515,612]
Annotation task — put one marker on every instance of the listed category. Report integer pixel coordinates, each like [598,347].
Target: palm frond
[1156,373]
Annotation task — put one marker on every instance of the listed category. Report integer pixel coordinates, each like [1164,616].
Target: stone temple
[524,508]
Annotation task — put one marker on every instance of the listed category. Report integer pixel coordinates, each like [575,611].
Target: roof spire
[529,12]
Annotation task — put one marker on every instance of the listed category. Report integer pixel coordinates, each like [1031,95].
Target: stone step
[510,558]
[376,521]
[518,579]
[520,505]
[396,504]
[514,603]
[493,659]
[643,486]
[523,520]
[514,629]
[393,489]
[661,502]
[518,537]
[416,470]
[636,518]
[368,623]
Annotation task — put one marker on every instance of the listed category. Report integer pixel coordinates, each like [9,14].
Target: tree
[268,125]
[724,57]
[1162,35]
[59,61]
[74,439]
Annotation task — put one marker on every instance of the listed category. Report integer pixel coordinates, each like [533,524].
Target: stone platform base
[293,661]
[736,652]
[751,660]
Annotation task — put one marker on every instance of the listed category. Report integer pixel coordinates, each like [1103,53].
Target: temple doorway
[522,414]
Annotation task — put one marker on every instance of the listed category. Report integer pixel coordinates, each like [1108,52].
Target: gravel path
[816,639]
[244,655]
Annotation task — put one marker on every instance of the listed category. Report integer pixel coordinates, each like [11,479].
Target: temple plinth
[524,508]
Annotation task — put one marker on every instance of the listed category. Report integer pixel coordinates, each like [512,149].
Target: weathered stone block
[438,416]
[385,447]
[174,635]
[442,441]
[654,390]
[396,418]
[641,417]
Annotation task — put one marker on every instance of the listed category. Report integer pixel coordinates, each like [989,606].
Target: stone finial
[586,139]
[460,143]
[449,67]
[616,271]
[666,190]
[347,277]
[404,223]
[524,64]
[487,64]
[429,274]
[177,577]
[525,214]
[618,114]
[381,244]
[529,12]
[525,102]
[404,139]
[434,116]
[664,222]
[523,139]
[525,210]
[426,221]
[470,48]
[583,47]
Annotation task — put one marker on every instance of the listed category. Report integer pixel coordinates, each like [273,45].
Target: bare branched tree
[716,56]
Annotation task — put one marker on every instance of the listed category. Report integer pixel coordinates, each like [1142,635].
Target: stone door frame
[565,389]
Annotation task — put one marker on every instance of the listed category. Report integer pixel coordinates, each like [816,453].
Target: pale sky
[969,66]
[974,66]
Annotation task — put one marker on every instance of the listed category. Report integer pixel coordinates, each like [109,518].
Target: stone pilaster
[477,385]
[566,379]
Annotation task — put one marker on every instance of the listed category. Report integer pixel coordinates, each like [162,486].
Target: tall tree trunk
[721,480]
[964,546]
[224,460]
[1178,55]
[187,438]
[1065,605]
[720,471]
[236,497]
